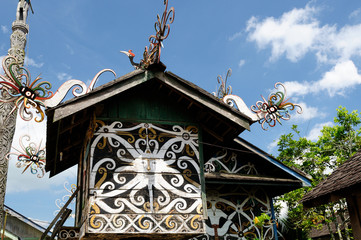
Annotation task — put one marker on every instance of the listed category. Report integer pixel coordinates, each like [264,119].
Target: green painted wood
[144,103]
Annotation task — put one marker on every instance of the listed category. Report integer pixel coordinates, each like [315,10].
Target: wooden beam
[231,176]
[212,133]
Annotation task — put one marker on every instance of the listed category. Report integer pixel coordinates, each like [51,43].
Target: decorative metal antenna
[151,54]
[223,89]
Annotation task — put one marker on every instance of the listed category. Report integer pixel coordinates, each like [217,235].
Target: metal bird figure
[131,56]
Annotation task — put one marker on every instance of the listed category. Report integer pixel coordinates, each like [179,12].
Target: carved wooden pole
[8,119]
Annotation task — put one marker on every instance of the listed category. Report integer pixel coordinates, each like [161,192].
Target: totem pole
[7,116]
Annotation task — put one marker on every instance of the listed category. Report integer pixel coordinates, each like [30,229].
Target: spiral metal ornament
[223,89]
[26,94]
[152,54]
[275,108]
[36,95]
[31,156]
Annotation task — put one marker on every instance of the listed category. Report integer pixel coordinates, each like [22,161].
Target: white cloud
[297,89]
[315,132]
[343,76]
[308,113]
[32,62]
[355,13]
[4,29]
[1,68]
[18,182]
[298,32]
[235,36]
[70,49]
[293,34]
[272,145]
[241,62]
[64,76]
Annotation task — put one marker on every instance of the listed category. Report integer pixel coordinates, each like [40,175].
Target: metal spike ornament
[31,156]
[23,92]
[151,54]
[223,89]
[275,108]
[36,95]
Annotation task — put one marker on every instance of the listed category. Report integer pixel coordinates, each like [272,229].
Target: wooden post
[354,209]
[7,120]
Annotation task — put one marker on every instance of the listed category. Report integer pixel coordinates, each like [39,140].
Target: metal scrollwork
[60,202]
[23,92]
[36,95]
[223,89]
[30,156]
[162,29]
[275,108]
[152,53]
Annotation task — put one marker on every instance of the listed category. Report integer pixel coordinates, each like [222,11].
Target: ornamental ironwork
[151,54]
[23,92]
[275,108]
[16,86]
[223,89]
[31,156]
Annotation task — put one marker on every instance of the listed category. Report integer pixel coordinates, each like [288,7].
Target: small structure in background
[344,182]
[17,226]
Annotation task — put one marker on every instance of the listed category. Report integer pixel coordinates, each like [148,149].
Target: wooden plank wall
[145,178]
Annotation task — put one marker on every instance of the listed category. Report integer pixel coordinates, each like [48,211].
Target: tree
[318,159]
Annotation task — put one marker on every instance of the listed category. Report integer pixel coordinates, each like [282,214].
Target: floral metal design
[23,92]
[27,95]
[223,89]
[275,108]
[31,156]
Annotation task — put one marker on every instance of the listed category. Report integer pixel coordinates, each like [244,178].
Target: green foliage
[318,159]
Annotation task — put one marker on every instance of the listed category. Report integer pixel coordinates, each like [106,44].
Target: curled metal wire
[275,108]
[152,54]
[31,156]
[223,89]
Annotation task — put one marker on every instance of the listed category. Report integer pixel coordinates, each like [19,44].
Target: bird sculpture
[131,56]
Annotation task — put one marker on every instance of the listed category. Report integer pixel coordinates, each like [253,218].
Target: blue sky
[313,47]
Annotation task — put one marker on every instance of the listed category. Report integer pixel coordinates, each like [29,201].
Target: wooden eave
[137,77]
[293,173]
[230,178]
[274,186]
[68,122]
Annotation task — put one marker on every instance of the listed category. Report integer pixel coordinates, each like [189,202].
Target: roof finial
[151,54]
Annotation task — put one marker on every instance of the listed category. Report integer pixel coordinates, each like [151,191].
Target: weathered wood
[354,209]
[229,176]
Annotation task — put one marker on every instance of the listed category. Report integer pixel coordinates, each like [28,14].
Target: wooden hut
[159,157]
[344,182]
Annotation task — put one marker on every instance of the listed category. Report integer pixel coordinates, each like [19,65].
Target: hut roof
[68,122]
[339,184]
